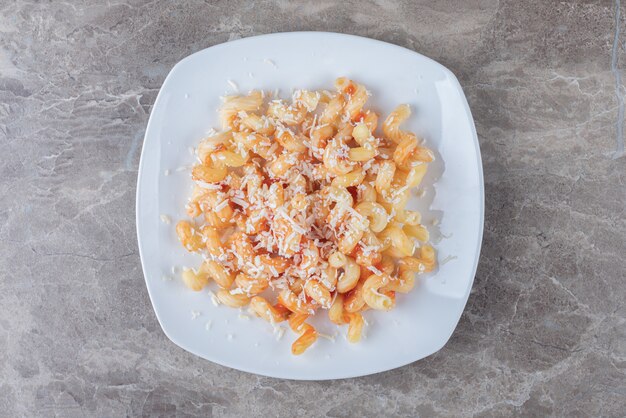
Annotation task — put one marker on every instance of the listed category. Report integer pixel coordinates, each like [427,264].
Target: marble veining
[544,331]
[619,151]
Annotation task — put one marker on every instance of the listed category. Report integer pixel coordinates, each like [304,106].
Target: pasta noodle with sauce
[307,199]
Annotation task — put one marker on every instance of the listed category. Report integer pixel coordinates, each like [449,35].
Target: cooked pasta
[306,200]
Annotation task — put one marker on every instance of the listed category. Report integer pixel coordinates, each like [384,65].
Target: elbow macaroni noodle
[304,202]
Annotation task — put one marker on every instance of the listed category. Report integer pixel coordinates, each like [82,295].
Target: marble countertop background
[544,331]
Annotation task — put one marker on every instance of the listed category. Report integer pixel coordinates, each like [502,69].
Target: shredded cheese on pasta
[282,187]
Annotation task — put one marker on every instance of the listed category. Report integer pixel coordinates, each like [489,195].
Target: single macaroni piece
[296,321]
[335,313]
[251,285]
[218,272]
[350,276]
[371,294]
[316,291]
[355,326]
[306,339]
[189,236]
[195,280]
[297,305]
[354,300]
[262,308]
[305,200]
[376,214]
[233,298]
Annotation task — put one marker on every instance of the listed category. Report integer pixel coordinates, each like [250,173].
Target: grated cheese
[279,332]
[448,259]
[233,85]
[328,337]
[209,186]
[293,223]
[257,227]
[270,62]
[240,202]
[214,299]
[221,205]
[375,270]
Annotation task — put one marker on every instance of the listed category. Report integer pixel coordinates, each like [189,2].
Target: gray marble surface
[544,331]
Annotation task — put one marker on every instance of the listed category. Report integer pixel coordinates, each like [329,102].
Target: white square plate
[185,110]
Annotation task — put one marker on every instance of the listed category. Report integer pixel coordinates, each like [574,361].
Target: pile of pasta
[299,207]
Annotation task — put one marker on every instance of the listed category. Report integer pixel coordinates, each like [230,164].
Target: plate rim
[478,245]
